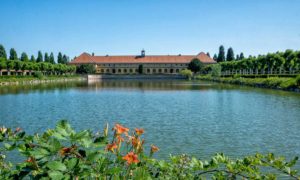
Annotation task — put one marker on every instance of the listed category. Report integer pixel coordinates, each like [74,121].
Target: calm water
[198,118]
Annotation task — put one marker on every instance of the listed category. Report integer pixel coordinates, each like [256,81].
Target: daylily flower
[105,131]
[137,144]
[131,158]
[139,131]
[111,147]
[120,129]
[64,151]
[154,149]
[3,130]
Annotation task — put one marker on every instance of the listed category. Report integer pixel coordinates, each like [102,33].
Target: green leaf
[56,166]
[39,153]
[94,156]
[55,175]
[71,164]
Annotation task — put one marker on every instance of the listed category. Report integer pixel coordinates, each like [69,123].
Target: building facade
[142,64]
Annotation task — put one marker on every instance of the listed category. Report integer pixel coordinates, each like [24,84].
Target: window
[119,70]
[125,70]
[159,70]
[107,70]
[154,70]
[148,70]
[166,70]
[177,70]
[102,70]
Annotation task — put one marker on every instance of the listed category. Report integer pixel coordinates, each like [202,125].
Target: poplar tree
[24,57]
[32,58]
[237,57]
[59,58]
[221,55]
[40,57]
[230,54]
[242,56]
[51,58]
[215,57]
[208,54]
[65,59]
[46,57]
[13,54]
[2,52]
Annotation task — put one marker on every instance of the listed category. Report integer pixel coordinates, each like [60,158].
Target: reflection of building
[168,64]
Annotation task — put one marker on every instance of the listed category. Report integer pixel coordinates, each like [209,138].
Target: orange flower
[120,139]
[131,158]
[120,129]
[154,149]
[64,151]
[137,144]
[139,131]
[30,160]
[111,147]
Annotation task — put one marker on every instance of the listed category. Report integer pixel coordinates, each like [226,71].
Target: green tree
[65,59]
[242,56]
[13,54]
[141,69]
[221,55]
[86,69]
[32,58]
[60,58]
[40,57]
[215,57]
[216,70]
[3,64]
[46,57]
[51,58]
[208,54]
[2,52]
[230,55]
[18,65]
[186,73]
[24,57]
[11,64]
[195,65]
[237,57]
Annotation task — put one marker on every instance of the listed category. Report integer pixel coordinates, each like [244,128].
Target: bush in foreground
[62,153]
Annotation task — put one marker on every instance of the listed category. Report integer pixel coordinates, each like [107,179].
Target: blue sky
[121,27]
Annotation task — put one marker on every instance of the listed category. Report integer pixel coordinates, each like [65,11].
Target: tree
[59,58]
[2,52]
[242,56]
[230,54]
[24,57]
[3,64]
[237,57]
[13,54]
[195,65]
[186,73]
[46,58]
[40,57]
[221,55]
[51,58]
[215,57]
[208,54]
[141,69]
[86,69]
[216,70]
[65,59]
[32,58]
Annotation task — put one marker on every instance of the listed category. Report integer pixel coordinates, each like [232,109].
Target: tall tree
[2,52]
[13,54]
[215,57]
[46,58]
[221,55]
[40,57]
[237,57]
[59,58]
[230,54]
[242,56]
[24,57]
[65,59]
[208,54]
[195,65]
[51,58]
[32,58]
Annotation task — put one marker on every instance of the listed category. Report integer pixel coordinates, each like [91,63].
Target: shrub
[216,70]
[298,80]
[38,74]
[63,153]
[186,73]
[86,69]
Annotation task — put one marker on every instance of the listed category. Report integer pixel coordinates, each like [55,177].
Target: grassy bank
[13,80]
[63,153]
[285,83]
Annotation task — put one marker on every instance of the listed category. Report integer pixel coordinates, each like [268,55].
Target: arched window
[166,70]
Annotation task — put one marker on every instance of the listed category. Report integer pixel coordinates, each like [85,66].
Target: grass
[286,83]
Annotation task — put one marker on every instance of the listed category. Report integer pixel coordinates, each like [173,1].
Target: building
[141,64]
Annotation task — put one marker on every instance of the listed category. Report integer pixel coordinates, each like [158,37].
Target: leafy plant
[63,153]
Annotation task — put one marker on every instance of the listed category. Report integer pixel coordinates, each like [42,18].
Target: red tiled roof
[86,58]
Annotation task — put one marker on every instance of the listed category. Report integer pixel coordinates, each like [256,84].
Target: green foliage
[24,57]
[86,69]
[2,52]
[215,57]
[51,58]
[3,64]
[13,54]
[40,57]
[38,75]
[221,55]
[63,153]
[186,73]
[195,65]
[46,57]
[216,70]
[60,58]
[230,55]
[32,58]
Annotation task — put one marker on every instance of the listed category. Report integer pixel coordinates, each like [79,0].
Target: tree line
[229,56]
[279,61]
[43,62]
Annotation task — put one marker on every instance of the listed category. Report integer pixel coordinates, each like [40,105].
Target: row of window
[136,70]
[134,65]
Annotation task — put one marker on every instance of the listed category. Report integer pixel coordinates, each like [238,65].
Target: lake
[194,117]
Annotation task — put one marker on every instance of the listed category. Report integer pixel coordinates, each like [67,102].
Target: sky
[161,27]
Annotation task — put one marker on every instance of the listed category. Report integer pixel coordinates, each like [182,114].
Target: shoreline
[267,83]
